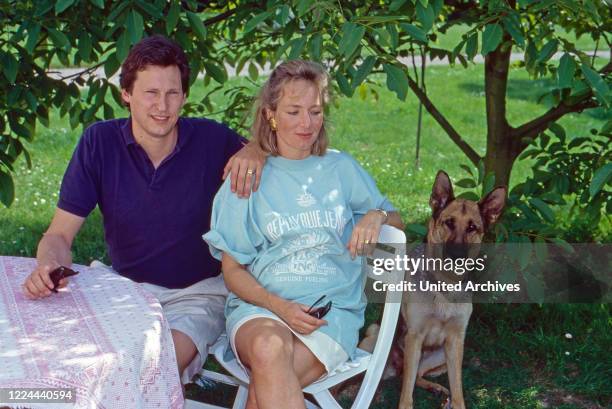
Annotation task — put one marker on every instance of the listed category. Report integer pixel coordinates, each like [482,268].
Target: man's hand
[39,284]
[243,166]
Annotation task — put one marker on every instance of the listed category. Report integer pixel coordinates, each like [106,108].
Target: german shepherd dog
[434,325]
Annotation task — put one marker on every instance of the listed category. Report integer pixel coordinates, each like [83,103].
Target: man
[154,177]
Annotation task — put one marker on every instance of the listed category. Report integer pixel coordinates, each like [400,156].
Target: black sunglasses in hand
[319,312]
[59,273]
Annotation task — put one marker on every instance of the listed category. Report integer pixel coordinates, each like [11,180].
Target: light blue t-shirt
[292,236]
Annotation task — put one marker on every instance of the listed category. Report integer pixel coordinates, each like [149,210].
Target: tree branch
[534,127]
[220,17]
[443,122]
[80,73]
[433,111]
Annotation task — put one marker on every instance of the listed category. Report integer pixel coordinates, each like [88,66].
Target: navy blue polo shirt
[154,219]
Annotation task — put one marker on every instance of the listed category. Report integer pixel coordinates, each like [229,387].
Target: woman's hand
[366,232]
[295,316]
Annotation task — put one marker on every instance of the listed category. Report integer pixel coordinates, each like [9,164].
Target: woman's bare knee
[264,344]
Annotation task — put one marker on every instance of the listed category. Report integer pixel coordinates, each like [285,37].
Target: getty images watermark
[492,273]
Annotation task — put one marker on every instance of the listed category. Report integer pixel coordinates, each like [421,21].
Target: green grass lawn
[517,356]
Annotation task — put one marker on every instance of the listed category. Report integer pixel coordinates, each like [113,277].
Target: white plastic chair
[372,364]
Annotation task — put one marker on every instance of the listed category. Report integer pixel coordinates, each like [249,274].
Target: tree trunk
[502,148]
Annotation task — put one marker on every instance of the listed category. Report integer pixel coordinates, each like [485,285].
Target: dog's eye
[450,223]
[471,227]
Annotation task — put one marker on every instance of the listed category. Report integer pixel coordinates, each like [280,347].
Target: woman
[293,241]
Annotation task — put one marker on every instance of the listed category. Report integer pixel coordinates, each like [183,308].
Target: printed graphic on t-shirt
[303,254]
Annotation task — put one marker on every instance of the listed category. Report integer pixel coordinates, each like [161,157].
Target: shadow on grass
[530,91]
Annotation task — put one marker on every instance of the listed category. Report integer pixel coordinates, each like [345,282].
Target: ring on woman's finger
[250,172]
[366,241]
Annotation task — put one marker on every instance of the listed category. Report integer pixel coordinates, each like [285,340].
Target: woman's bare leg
[266,347]
[305,364]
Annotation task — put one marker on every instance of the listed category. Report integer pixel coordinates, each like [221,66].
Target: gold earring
[273,124]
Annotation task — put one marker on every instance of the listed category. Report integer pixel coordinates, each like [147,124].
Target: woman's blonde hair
[271,93]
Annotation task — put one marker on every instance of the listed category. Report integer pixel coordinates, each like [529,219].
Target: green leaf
[150,9]
[32,101]
[173,17]
[491,38]
[218,73]
[393,36]
[283,17]
[563,244]
[7,188]
[10,67]
[396,4]
[344,85]
[543,208]
[351,37]
[303,6]
[414,32]
[123,46]
[425,16]
[471,47]
[396,80]
[466,183]
[316,42]
[84,46]
[14,95]
[62,5]
[602,176]
[20,129]
[197,25]
[418,229]
[98,3]
[467,169]
[296,47]
[567,69]
[59,39]
[547,51]
[558,130]
[488,184]
[33,35]
[364,70]
[255,21]
[524,251]
[253,72]
[598,85]
[111,65]
[481,171]
[116,12]
[135,26]
[469,196]
[513,27]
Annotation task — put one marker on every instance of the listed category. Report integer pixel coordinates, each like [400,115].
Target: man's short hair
[154,50]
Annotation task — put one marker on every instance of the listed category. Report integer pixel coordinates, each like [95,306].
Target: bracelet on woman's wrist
[384,213]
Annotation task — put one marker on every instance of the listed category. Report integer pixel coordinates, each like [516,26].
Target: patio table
[103,338]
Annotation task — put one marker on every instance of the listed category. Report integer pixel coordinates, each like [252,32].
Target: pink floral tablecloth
[103,335]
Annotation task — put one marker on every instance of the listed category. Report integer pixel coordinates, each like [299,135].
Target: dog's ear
[492,205]
[441,194]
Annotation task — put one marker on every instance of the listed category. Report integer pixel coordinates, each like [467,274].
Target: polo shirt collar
[185,129]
